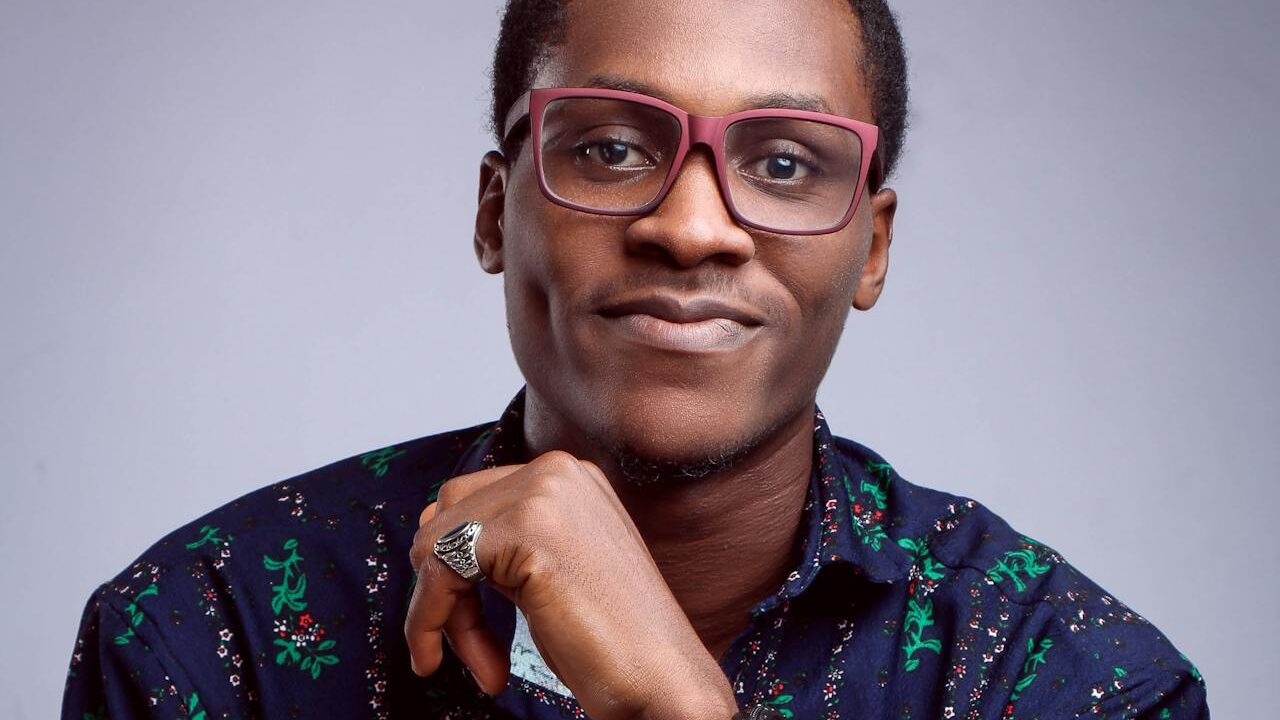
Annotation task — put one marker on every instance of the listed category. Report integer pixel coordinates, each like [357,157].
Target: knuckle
[557,461]
[593,471]
[448,493]
[535,516]
[424,544]
[417,553]
[537,552]
[427,573]
[546,484]
[422,667]
[430,572]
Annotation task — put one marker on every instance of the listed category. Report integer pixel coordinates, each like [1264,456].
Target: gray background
[236,246]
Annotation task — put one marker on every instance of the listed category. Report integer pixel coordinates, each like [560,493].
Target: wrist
[706,701]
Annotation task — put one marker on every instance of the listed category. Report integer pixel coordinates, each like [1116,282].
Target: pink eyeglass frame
[706,130]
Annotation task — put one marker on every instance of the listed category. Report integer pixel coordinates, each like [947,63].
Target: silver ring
[457,548]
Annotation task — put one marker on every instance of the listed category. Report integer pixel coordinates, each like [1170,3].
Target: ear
[492,201]
[883,205]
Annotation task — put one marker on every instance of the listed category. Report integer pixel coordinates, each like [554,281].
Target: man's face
[643,385]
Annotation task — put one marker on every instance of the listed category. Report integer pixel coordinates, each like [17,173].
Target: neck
[723,542]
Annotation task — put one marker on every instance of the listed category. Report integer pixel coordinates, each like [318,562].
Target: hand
[561,546]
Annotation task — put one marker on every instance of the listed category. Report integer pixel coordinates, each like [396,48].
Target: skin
[685,559]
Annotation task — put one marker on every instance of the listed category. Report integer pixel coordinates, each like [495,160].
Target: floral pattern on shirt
[904,602]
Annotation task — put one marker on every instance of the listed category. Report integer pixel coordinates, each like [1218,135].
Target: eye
[613,153]
[779,166]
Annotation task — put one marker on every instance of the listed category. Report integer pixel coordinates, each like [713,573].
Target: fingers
[453,491]
[427,513]
[475,645]
[443,603]
[464,628]
[442,600]
[434,597]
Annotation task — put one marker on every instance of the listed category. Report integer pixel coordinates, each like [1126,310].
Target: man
[688,201]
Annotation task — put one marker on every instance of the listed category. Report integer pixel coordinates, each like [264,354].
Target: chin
[678,435]
[641,464]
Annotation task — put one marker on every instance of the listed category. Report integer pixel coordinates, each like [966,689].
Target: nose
[692,224]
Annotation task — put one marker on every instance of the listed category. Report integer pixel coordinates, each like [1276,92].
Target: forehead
[711,56]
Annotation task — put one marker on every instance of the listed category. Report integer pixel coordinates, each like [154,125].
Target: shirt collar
[846,513]
[501,443]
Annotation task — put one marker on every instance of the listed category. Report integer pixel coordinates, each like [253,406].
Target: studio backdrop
[235,245]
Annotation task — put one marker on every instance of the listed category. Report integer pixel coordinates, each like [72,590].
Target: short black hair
[530,27]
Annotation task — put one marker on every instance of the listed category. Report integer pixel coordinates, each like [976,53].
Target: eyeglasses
[614,152]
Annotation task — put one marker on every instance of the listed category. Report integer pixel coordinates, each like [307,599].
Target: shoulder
[964,535]
[395,479]
[1067,644]
[290,577]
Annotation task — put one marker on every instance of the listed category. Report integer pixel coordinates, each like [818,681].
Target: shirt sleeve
[117,674]
[1135,674]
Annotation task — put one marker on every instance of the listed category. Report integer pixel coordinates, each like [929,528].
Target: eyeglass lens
[785,174]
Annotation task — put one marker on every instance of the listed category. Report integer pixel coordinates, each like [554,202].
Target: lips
[689,310]
[684,325]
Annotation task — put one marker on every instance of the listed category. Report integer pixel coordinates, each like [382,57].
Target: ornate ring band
[457,549]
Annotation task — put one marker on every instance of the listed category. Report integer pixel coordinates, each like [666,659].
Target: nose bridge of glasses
[703,130]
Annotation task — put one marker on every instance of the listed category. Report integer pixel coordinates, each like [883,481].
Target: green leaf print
[872,536]
[1035,658]
[781,701]
[294,584]
[208,536]
[300,637]
[871,533]
[193,707]
[135,614]
[289,653]
[1017,562]
[1195,672]
[379,460]
[880,497]
[882,470]
[919,616]
[878,487]
[930,568]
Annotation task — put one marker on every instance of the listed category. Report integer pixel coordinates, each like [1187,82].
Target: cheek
[552,258]
[821,276]
[529,265]
[846,254]
[552,261]
[526,273]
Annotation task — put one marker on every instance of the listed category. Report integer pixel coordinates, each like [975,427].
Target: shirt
[904,602]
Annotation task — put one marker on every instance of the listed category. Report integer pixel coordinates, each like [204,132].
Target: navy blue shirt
[904,602]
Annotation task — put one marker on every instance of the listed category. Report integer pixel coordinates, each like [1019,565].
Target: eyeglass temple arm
[875,174]
[519,111]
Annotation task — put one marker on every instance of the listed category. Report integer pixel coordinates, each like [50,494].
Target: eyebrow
[790,101]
